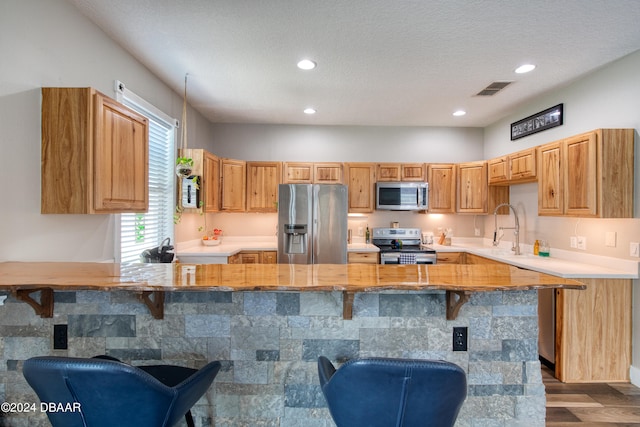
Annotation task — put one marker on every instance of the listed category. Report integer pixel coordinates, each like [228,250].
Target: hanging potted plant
[184,167]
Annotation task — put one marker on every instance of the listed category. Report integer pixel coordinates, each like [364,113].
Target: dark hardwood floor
[590,405]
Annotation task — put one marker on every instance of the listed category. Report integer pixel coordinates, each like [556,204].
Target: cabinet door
[550,179]
[593,331]
[362,258]
[442,188]
[250,258]
[263,179]
[498,170]
[412,172]
[269,257]
[450,257]
[522,166]
[580,175]
[297,173]
[211,183]
[234,181]
[472,187]
[388,172]
[327,173]
[121,174]
[360,178]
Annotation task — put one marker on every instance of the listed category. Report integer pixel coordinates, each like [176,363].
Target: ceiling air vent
[493,88]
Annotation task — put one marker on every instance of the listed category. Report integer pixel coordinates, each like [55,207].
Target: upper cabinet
[360,179]
[211,183]
[312,173]
[400,172]
[588,175]
[327,173]
[442,188]
[513,168]
[94,154]
[474,195]
[233,185]
[263,179]
[207,167]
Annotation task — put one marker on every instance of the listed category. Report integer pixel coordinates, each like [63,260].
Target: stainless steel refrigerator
[312,224]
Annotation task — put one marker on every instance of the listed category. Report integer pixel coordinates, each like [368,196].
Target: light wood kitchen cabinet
[477,259]
[360,179]
[523,166]
[254,257]
[362,257]
[400,172]
[451,257]
[327,173]
[269,257]
[312,173]
[513,168]
[498,170]
[233,185]
[207,167]
[588,175]
[211,183]
[94,154]
[550,179]
[474,193]
[442,188]
[297,173]
[593,331]
[263,179]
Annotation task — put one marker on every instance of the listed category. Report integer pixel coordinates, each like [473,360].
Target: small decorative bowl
[211,242]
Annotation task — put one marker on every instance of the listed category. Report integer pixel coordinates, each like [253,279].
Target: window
[138,232]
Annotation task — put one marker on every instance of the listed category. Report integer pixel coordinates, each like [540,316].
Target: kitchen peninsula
[269,323]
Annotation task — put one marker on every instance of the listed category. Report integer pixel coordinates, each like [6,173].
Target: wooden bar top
[71,276]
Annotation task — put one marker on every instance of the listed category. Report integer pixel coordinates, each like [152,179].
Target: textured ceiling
[380,62]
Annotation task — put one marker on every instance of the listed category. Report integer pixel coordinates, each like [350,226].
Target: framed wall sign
[547,119]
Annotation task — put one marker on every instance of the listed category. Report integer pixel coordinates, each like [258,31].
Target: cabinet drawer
[362,257]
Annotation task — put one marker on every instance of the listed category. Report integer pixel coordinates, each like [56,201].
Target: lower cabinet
[253,257]
[362,258]
[593,331]
[450,257]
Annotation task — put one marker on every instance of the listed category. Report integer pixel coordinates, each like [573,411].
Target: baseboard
[634,374]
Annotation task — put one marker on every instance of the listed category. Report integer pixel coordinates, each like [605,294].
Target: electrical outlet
[460,338]
[60,337]
[360,231]
[634,249]
[582,243]
[573,242]
[477,232]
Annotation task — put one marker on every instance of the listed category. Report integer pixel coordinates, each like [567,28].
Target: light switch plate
[634,249]
[582,243]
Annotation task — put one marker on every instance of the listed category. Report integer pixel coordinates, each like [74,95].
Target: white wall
[49,43]
[609,97]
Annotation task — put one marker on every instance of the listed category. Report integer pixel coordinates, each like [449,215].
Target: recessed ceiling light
[307,64]
[459,113]
[309,110]
[525,68]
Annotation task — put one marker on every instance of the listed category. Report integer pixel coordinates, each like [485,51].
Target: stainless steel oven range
[402,246]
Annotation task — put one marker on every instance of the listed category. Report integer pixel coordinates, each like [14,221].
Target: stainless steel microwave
[402,196]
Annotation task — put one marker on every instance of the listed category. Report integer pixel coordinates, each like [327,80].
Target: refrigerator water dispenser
[295,238]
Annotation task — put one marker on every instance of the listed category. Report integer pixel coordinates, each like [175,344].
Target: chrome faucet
[516,229]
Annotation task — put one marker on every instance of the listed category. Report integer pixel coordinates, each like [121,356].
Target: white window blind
[147,230]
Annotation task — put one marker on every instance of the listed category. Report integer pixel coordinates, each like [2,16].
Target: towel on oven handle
[407,258]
